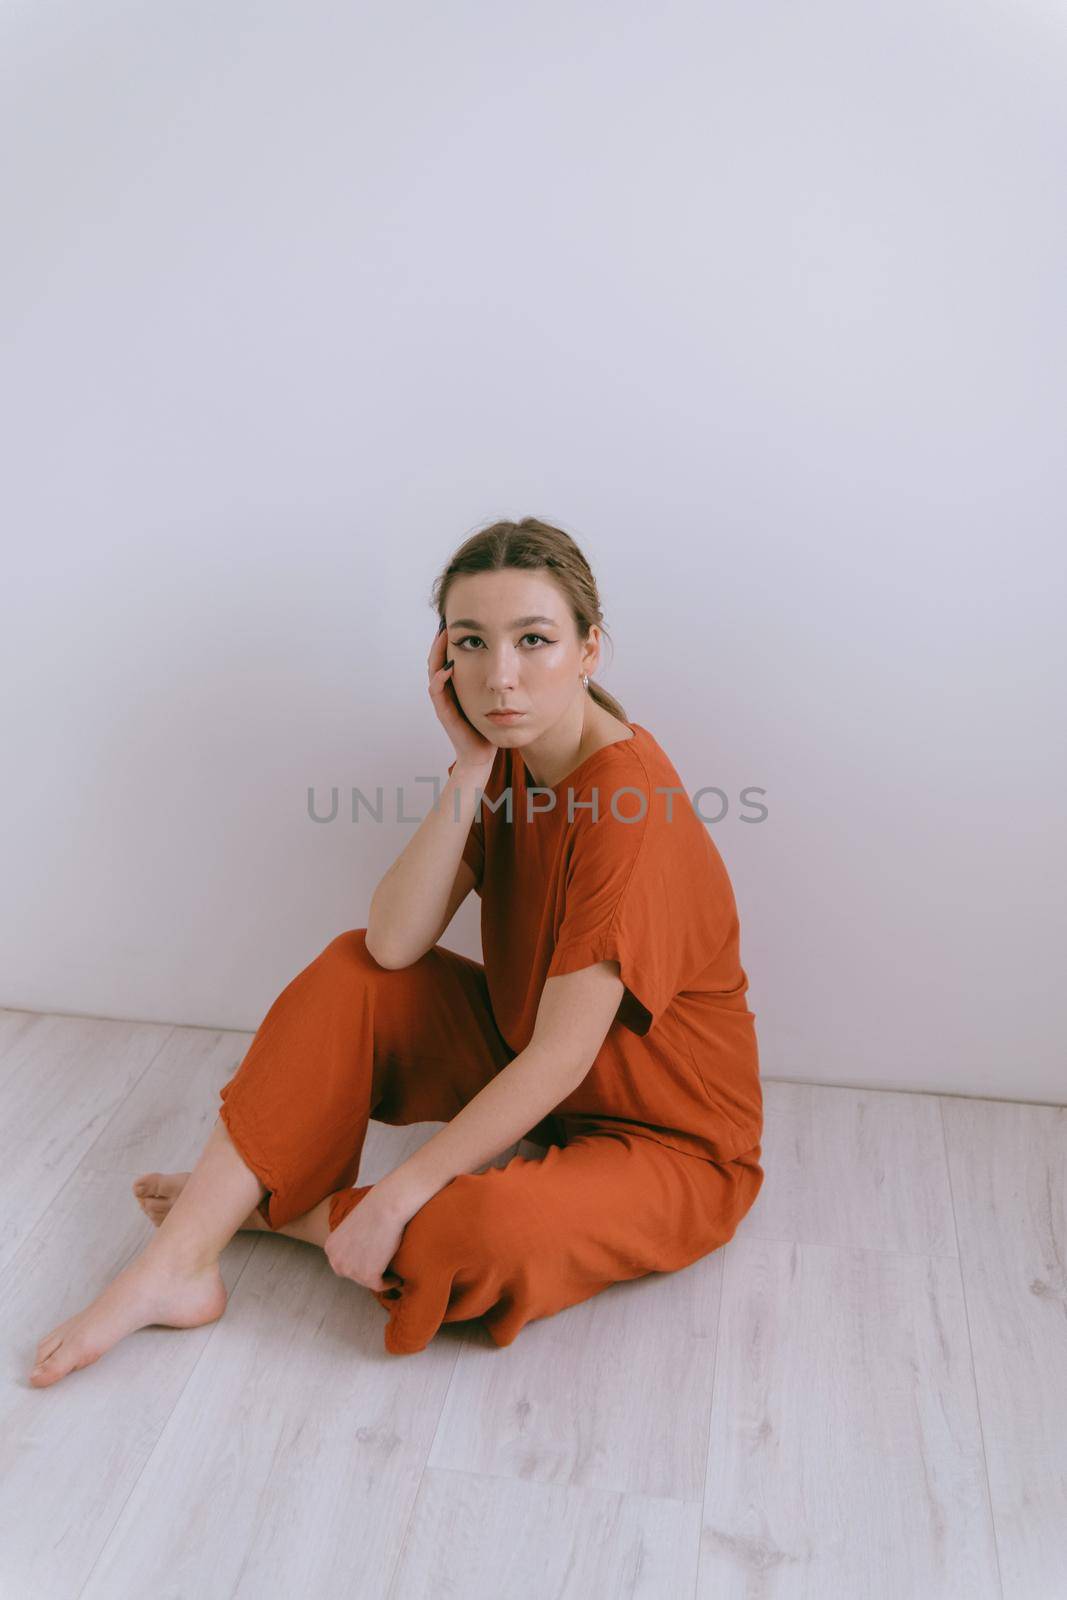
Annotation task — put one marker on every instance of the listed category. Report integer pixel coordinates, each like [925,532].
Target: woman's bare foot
[157,1191]
[151,1291]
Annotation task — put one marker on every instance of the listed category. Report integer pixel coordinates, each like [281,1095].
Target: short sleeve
[650,895]
[474,848]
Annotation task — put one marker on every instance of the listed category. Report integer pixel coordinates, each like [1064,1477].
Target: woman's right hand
[472,750]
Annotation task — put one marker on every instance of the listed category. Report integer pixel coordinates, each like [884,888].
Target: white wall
[764,304]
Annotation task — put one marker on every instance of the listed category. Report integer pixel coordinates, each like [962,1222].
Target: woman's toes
[58,1362]
[156,1192]
[49,1343]
[48,1367]
[42,1373]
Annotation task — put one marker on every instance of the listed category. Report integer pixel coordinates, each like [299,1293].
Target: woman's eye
[468,638]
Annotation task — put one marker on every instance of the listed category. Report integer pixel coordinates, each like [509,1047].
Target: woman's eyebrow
[520,622]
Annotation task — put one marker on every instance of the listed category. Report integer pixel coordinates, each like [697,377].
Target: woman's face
[512,638]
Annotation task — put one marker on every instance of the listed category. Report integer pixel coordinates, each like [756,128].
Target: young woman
[608,1025]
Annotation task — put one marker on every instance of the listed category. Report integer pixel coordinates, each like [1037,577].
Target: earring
[585,680]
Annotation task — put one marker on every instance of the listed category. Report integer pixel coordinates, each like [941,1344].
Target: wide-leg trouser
[348,1040]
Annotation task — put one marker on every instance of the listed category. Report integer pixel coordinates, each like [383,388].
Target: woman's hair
[533,546]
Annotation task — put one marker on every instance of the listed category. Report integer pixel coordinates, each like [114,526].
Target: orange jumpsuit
[649,1164]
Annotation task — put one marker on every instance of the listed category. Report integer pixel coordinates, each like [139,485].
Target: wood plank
[1009,1180]
[863,1167]
[62,1081]
[845,1451]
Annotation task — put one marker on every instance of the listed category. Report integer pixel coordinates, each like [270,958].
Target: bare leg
[157,1192]
[220,1193]
[313,1227]
[175,1281]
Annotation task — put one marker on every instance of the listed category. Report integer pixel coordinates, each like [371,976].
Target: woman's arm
[408,906]
[407,909]
[573,1017]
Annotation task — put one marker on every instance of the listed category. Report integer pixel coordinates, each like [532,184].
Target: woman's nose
[500,674]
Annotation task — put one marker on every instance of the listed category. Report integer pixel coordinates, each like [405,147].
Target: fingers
[441,675]
[438,652]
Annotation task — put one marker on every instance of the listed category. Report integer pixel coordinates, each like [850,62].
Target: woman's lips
[505,716]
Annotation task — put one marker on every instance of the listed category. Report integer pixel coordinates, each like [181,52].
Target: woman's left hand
[362,1246]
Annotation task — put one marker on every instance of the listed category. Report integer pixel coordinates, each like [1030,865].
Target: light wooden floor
[864,1394]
